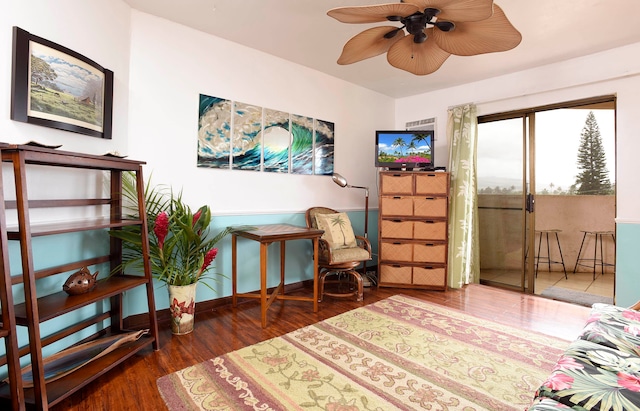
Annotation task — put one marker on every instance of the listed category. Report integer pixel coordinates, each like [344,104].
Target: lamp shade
[339,180]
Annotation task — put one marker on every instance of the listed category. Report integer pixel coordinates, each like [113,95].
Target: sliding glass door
[503,182]
[546,186]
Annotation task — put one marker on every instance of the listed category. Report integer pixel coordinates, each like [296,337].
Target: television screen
[405,149]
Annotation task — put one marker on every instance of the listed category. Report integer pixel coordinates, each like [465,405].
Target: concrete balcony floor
[603,284]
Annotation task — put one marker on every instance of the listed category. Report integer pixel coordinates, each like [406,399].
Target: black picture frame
[84,105]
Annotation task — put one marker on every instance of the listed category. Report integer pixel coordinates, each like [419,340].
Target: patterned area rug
[398,353]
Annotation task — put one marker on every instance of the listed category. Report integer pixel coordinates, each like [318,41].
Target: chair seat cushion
[344,255]
[337,230]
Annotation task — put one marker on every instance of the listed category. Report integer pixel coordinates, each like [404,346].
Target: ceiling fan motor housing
[417,23]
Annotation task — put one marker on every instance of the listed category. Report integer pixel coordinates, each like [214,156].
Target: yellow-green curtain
[462,134]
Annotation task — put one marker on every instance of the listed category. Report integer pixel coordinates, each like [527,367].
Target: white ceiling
[300,31]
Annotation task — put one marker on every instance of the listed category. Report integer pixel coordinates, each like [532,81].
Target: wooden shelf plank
[49,157]
[38,230]
[65,386]
[60,303]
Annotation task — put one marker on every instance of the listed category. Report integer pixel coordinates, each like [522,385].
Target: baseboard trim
[138,321]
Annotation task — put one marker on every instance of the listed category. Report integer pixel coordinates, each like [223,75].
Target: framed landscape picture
[53,86]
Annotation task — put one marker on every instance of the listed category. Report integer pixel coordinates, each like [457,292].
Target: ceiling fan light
[445,25]
[391,34]
[457,10]
[420,37]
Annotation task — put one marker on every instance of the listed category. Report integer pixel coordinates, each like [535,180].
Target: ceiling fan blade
[369,43]
[417,58]
[487,36]
[457,10]
[371,14]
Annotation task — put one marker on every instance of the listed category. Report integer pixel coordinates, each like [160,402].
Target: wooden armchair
[340,251]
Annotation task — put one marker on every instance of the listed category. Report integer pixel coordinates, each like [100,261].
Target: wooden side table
[266,235]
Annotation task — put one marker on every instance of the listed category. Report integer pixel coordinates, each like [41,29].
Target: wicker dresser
[413,233]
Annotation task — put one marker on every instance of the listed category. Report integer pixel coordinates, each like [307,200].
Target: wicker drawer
[430,206]
[435,276]
[396,251]
[430,230]
[396,229]
[395,274]
[432,183]
[396,184]
[397,206]
[430,253]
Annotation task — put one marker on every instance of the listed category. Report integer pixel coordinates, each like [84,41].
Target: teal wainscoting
[297,264]
[627,263]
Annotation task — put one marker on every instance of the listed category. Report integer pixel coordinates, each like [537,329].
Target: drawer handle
[429,245]
[396,221]
[429,222]
[428,267]
[397,198]
[396,243]
[430,198]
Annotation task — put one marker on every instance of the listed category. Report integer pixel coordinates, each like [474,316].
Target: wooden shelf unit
[36,310]
[413,229]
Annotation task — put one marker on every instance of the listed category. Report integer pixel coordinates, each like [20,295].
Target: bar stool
[547,259]
[599,236]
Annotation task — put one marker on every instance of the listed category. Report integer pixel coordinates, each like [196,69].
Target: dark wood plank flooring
[132,386]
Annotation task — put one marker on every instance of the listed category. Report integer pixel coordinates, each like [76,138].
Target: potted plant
[181,249]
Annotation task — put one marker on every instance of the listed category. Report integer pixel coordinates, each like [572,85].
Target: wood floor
[132,386]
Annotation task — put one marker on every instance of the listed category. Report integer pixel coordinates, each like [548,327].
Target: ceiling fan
[435,29]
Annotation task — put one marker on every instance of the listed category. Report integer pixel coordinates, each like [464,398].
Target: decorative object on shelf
[37,144]
[182,308]
[80,282]
[67,361]
[76,94]
[435,29]
[114,153]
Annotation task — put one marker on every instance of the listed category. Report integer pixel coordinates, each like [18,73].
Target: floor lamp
[342,182]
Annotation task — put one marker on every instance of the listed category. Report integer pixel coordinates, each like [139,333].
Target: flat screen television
[405,149]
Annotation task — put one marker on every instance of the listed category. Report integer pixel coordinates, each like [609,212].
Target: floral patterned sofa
[601,369]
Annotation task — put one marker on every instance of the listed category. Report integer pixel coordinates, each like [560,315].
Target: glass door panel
[502,194]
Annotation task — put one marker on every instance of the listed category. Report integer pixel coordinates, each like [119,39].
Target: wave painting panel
[276,141]
[214,130]
[246,145]
[302,144]
[324,147]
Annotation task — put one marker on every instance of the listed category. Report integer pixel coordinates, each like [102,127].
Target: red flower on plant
[161,228]
[196,217]
[208,258]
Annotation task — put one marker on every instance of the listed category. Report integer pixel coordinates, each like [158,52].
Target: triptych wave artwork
[240,136]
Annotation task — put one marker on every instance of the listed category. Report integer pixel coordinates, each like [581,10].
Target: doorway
[546,187]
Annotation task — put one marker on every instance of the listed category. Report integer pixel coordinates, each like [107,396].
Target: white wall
[172,64]
[97,29]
